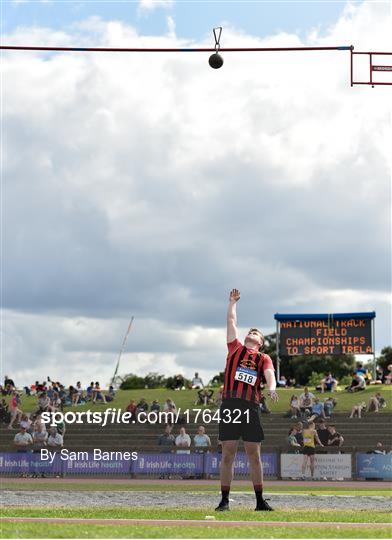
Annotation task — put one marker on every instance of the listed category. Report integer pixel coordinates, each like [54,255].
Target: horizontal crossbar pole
[372,52]
[373,83]
[117,49]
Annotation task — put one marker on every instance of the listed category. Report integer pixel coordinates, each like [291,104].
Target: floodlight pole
[277,352]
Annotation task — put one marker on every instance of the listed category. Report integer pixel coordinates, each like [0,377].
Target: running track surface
[240,483]
[189,522]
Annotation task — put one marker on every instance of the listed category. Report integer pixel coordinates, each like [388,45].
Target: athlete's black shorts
[240,418]
[308,450]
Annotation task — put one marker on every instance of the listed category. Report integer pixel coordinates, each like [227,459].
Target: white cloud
[151,184]
[151,5]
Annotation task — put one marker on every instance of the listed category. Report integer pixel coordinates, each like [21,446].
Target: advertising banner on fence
[241,464]
[374,466]
[331,466]
[168,463]
[28,463]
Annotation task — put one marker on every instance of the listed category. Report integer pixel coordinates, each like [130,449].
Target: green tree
[132,382]
[385,359]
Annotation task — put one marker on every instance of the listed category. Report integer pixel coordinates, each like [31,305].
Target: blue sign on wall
[374,466]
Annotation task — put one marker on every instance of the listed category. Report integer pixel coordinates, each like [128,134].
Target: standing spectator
[23,440]
[322,432]
[309,448]
[375,403]
[197,382]
[40,436]
[167,440]
[329,383]
[358,383]
[357,410]
[294,407]
[334,439]
[38,421]
[306,402]
[201,441]
[15,411]
[55,440]
[183,442]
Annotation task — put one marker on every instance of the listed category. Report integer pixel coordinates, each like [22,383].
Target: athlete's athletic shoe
[263,506]
[223,506]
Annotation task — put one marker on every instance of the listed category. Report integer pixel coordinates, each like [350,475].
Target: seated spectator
[290,382]
[292,439]
[376,403]
[55,440]
[204,397]
[197,382]
[90,392]
[306,402]
[5,415]
[9,386]
[299,435]
[142,406]
[77,395]
[170,406]
[98,395]
[380,376]
[15,411]
[23,440]
[329,405]
[167,440]
[334,439]
[357,410]
[317,409]
[183,442]
[282,382]
[364,372]
[379,449]
[179,382]
[322,432]
[43,403]
[40,436]
[38,421]
[358,383]
[26,423]
[111,394]
[201,440]
[131,407]
[329,383]
[55,402]
[388,376]
[155,406]
[263,404]
[294,407]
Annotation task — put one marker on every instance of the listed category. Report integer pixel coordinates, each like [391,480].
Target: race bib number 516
[248,376]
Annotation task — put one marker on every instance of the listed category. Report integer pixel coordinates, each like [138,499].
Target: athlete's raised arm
[232,333]
[269,375]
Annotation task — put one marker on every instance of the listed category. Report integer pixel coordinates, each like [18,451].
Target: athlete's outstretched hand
[235,295]
[274,396]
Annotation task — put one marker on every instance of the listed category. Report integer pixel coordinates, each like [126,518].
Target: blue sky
[194,20]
